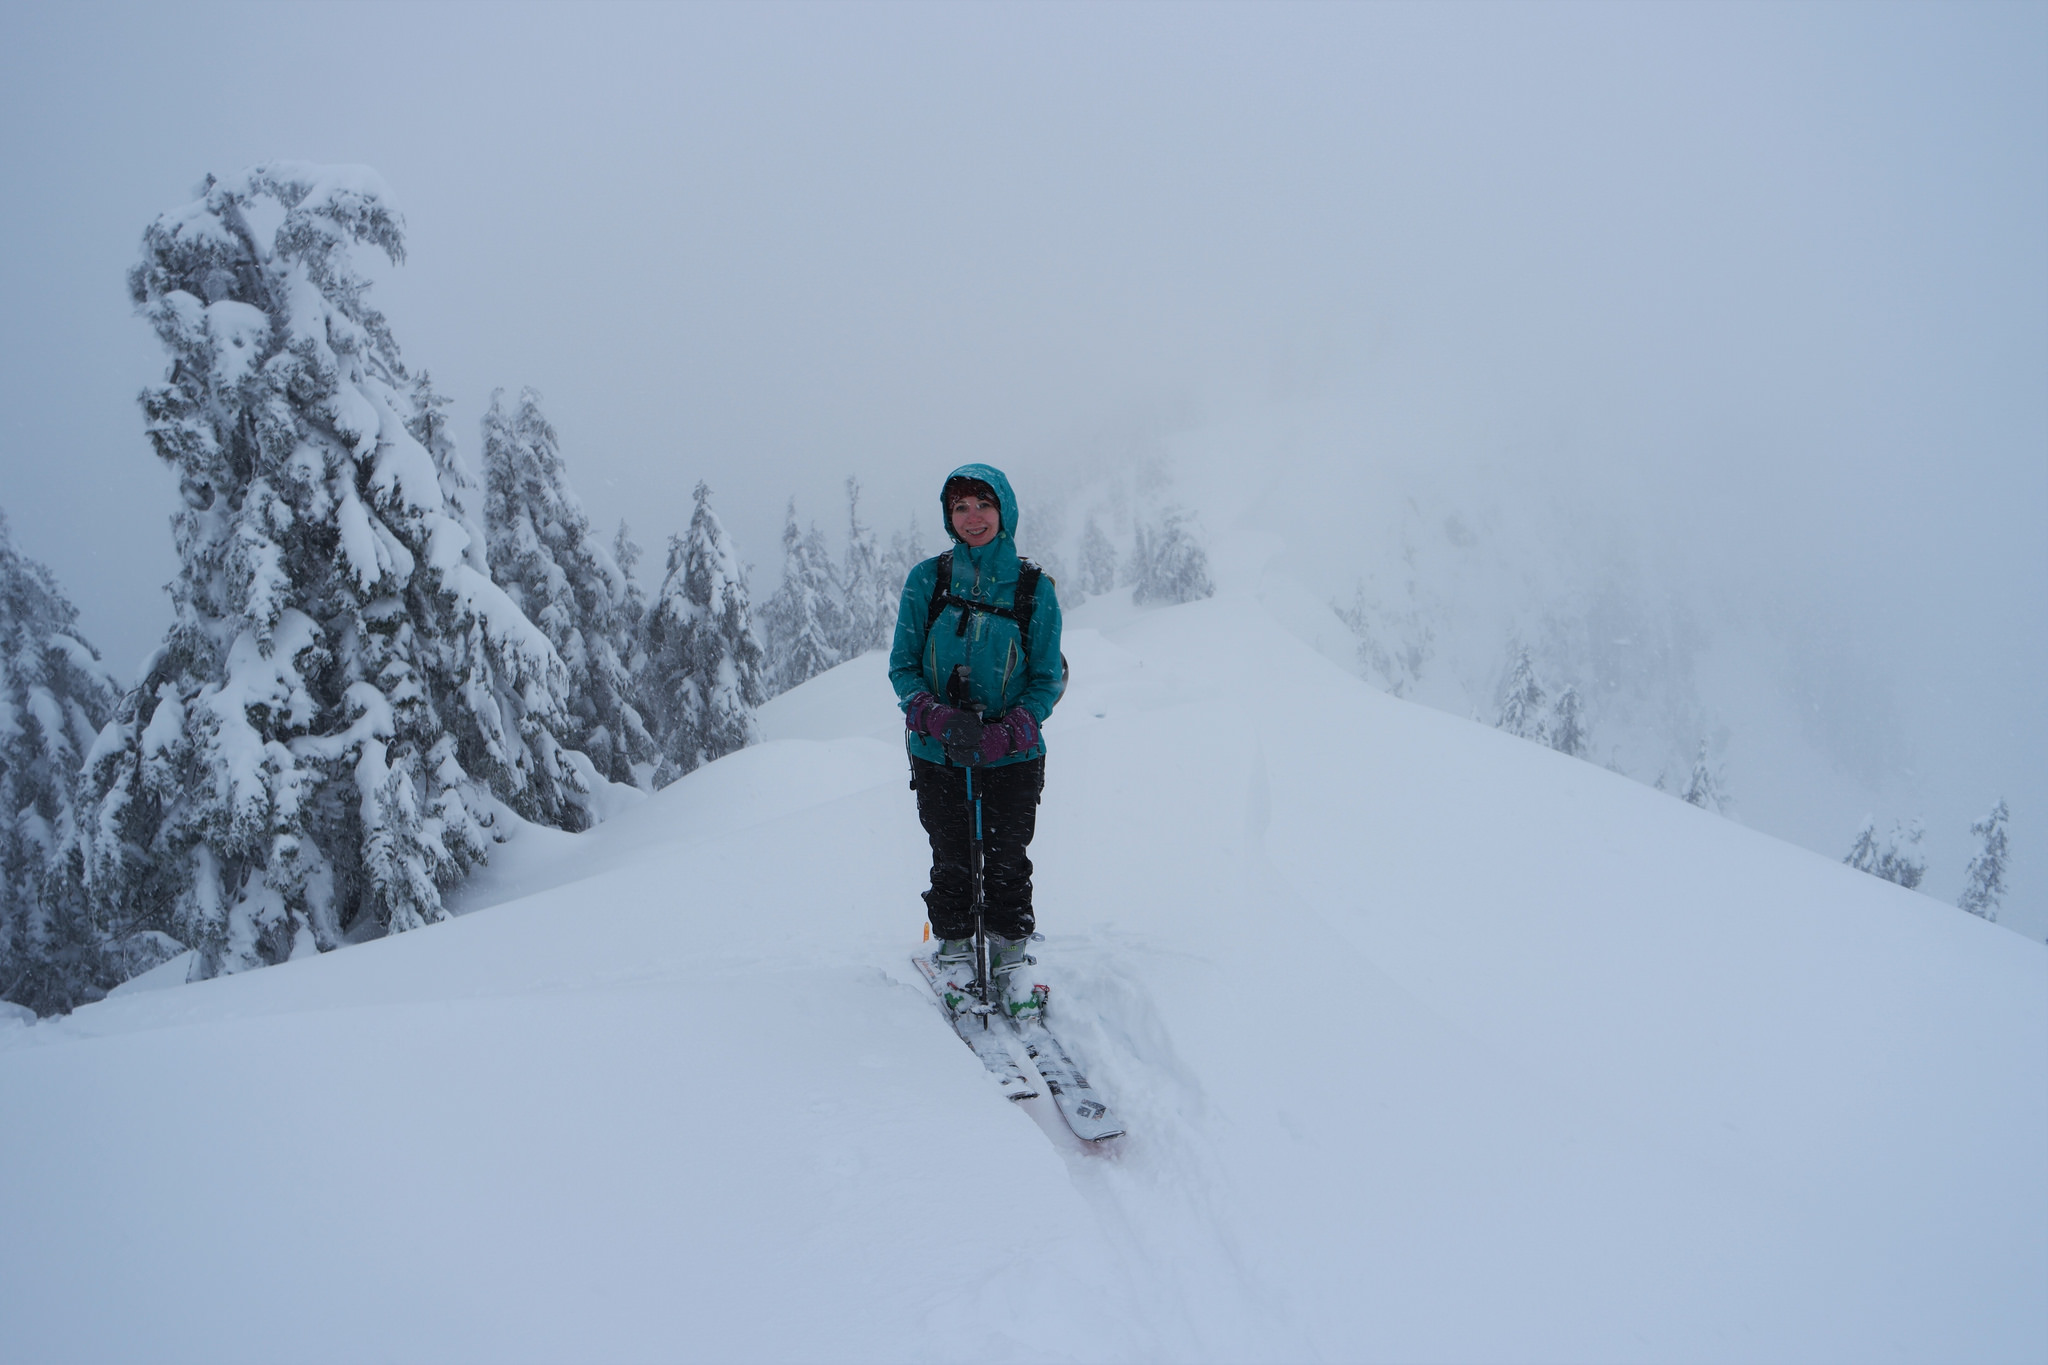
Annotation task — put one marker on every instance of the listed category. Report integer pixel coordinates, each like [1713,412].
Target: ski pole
[984,972]
[984,969]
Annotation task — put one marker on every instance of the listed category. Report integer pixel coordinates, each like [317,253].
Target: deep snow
[1434,1044]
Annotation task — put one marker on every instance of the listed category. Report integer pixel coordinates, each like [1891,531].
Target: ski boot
[954,957]
[1022,1000]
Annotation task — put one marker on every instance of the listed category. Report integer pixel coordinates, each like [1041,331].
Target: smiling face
[976,518]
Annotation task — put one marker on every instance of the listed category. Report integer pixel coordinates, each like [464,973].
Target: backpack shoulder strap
[942,587]
[1026,598]
[1023,599]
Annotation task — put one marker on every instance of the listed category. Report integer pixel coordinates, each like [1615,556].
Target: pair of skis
[1088,1116]
[1084,1110]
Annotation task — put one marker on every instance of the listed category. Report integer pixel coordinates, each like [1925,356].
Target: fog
[1744,308]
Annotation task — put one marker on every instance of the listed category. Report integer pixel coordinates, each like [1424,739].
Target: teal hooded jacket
[924,653]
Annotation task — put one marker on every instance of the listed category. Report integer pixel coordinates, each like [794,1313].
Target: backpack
[1022,601]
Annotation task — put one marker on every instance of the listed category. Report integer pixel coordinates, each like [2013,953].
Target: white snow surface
[1433,1045]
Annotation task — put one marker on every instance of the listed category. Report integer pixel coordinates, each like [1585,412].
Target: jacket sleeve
[1042,683]
[906,649]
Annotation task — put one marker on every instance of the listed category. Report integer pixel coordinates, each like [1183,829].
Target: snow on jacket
[924,653]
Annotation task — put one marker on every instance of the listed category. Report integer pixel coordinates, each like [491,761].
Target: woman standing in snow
[976,667]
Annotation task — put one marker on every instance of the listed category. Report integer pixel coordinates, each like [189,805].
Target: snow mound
[1433,1044]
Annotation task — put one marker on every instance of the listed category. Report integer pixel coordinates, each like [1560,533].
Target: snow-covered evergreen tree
[1521,709]
[1392,645]
[312,754]
[1098,561]
[1901,861]
[546,557]
[801,617]
[1703,787]
[633,607]
[1984,879]
[429,424]
[1168,564]
[1048,523]
[704,661]
[55,694]
[869,608]
[1568,724]
[906,552]
[1896,859]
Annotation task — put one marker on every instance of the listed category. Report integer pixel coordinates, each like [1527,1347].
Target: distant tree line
[1528,711]
[1897,859]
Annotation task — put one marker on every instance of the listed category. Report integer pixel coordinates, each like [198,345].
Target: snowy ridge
[1432,1044]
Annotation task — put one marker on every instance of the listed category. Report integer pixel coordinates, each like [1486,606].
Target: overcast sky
[1767,283]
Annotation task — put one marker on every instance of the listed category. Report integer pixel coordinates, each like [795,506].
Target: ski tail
[1084,1109]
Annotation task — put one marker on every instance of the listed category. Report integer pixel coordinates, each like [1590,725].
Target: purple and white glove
[969,741]
[1015,733]
[960,731]
[927,715]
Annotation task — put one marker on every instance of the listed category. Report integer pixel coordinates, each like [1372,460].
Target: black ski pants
[1009,815]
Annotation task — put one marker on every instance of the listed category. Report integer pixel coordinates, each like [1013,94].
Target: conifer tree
[1098,561]
[546,557]
[1703,787]
[906,552]
[1521,711]
[312,755]
[1902,862]
[802,615]
[1047,521]
[1568,724]
[428,423]
[1357,617]
[870,608]
[1897,859]
[1984,879]
[1392,647]
[704,660]
[633,606]
[1168,564]
[55,694]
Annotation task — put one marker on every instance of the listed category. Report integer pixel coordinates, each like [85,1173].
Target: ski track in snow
[1431,1045]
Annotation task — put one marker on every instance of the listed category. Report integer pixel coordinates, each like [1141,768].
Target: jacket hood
[1005,499]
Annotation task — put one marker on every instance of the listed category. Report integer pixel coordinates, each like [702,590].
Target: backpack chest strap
[1023,598]
[968,604]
